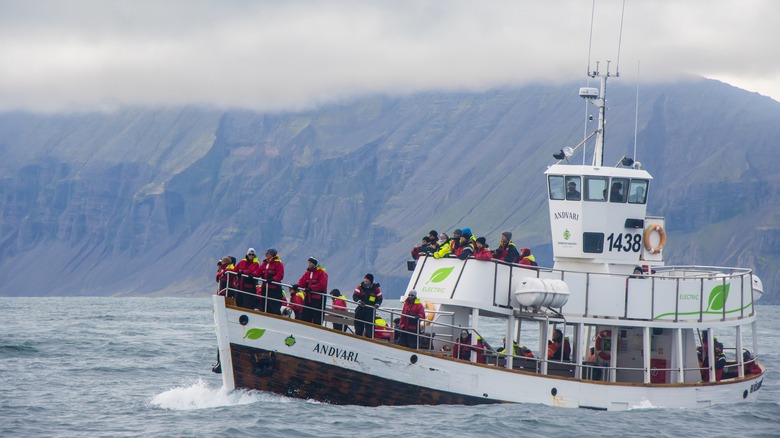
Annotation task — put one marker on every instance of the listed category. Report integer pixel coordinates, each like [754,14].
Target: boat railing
[424,337]
[679,293]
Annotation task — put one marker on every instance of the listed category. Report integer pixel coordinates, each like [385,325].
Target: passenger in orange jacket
[315,283]
[557,345]
[272,272]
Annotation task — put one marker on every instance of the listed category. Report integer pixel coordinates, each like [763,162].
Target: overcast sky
[267,55]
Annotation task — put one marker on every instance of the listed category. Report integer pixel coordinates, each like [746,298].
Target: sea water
[142,367]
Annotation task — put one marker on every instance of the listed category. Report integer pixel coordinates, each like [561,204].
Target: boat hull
[293,376]
[295,359]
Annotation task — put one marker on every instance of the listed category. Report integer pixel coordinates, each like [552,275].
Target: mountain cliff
[144,201]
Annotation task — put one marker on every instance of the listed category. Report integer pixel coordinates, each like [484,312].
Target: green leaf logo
[440,275]
[718,296]
[290,341]
[254,333]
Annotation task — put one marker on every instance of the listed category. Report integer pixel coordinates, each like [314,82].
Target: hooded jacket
[411,315]
[246,268]
[315,280]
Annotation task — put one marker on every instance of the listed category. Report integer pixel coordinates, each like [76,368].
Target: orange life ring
[604,345]
[661,233]
[430,315]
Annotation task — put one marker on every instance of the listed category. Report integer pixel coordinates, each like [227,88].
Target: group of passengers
[558,348]
[464,245]
[722,371]
[256,284]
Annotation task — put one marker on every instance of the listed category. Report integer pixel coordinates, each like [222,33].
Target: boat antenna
[590,48]
[620,40]
[636,115]
[590,38]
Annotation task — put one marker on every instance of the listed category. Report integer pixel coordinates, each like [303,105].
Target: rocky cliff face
[145,201]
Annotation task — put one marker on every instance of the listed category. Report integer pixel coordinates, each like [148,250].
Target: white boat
[647,330]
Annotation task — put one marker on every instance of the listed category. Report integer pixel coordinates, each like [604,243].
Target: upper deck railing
[670,294]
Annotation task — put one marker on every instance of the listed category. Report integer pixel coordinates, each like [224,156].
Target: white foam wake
[644,404]
[200,396]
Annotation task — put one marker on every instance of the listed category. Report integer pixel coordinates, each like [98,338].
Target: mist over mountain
[144,201]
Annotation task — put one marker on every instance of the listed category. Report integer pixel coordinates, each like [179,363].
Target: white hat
[251,251]
[412,293]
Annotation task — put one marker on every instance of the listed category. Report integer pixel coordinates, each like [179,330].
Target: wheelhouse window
[593,243]
[556,187]
[617,190]
[573,188]
[637,193]
[595,188]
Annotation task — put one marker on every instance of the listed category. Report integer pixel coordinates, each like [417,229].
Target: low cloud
[291,55]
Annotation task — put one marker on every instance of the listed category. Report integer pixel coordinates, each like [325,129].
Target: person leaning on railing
[272,272]
[368,296]
[223,266]
[247,269]
[411,315]
[340,304]
[315,283]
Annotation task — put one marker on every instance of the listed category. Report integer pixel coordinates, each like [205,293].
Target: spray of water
[200,396]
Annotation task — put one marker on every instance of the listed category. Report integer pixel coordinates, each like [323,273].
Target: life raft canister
[603,345]
[662,238]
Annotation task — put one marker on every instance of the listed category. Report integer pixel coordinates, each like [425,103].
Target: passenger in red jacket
[247,269]
[526,258]
[426,247]
[315,283]
[272,273]
[297,298]
[463,347]
[482,252]
[507,251]
[223,266]
[751,367]
[340,304]
[412,313]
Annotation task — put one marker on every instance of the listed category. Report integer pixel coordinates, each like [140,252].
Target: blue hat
[467,232]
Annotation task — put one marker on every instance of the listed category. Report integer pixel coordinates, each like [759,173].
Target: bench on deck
[518,363]
[563,369]
[343,317]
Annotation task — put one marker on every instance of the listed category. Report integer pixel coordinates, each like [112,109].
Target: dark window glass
[573,188]
[617,190]
[593,243]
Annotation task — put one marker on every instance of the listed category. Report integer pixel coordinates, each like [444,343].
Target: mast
[601,104]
